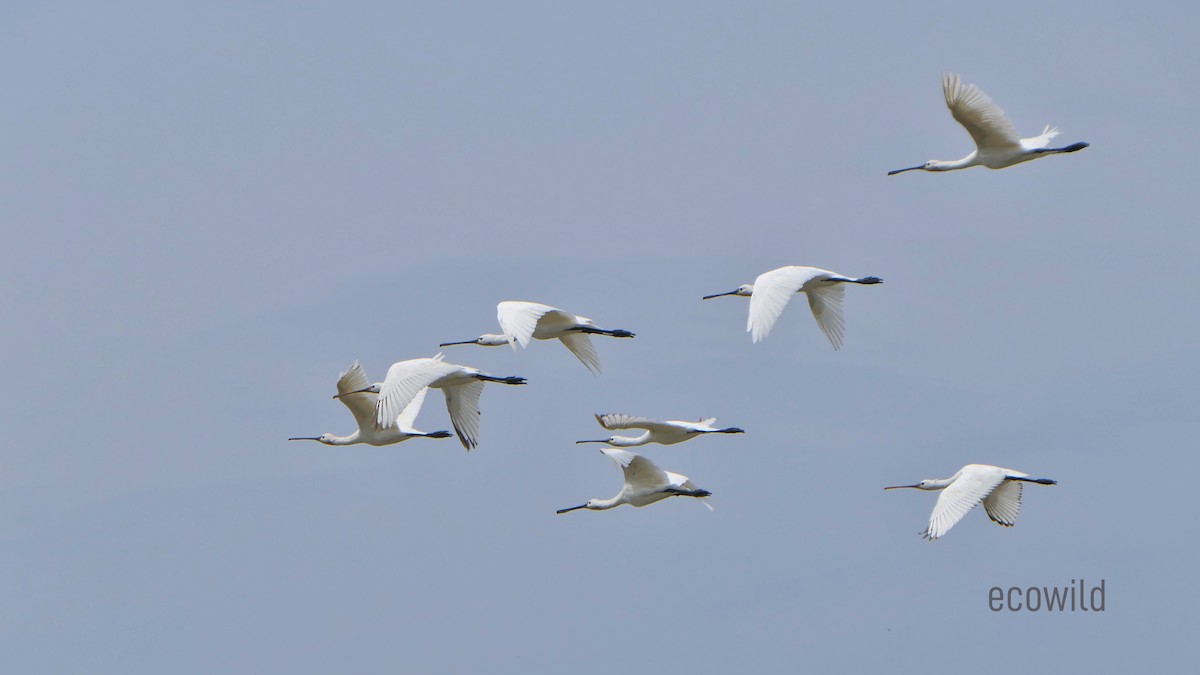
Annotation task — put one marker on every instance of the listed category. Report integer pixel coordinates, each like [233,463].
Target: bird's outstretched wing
[825,301]
[615,421]
[982,118]
[581,346]
[361,405]
[955,501]
[1004,502]
[462,402]
[772,291]
[518,319]
[408,417]
[405,379]
[640,473]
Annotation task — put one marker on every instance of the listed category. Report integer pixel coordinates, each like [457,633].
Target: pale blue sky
[210,210]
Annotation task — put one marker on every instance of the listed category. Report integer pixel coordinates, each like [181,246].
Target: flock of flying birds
[386,411]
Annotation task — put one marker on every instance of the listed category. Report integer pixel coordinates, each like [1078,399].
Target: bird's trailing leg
[688,493]
[438,434]
[616,332]
[512,379]
[1039,481]
[1074,147]
[867,281]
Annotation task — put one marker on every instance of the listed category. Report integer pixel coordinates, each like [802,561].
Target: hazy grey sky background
[211,209]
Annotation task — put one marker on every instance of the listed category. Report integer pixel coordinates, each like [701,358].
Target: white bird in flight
[362,404]
[665,432]
[645,483]
[771,291]
[461,385]
[996,142]
[524,321]
[998,488]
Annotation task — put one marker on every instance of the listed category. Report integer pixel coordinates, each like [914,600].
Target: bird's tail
[1050,132]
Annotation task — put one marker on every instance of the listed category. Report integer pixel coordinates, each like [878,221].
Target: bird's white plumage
[1003,504]
[645,483]
[461,385]
[997,144]
[641,474]
[362,404]
[522,322]
[462,401]
[665,432]
[982,118]
[581,346]
[976,483]
[774,289]
[825,301]
[404,379]
[615,421]
[519,319]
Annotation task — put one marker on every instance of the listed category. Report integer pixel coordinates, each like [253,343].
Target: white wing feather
[405,379]
[640,473]
[825,301]
[955,501]
[408,416]
[982,118]
[615,421]
[462,402]
[1004,502]
[581,346]
[772,292]
[361,405]
[519,319]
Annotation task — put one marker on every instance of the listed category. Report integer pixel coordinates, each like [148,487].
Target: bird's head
[487,340]
[593,504]
[931,165]
[610,440]
[744,290]
[327,439]
[927,484]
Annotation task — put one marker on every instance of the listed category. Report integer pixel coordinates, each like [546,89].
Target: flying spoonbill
[645,483]
[666,432]
[523,321]
[461,385]
[362,405]
[771,291]
[996,142]
[998,488]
